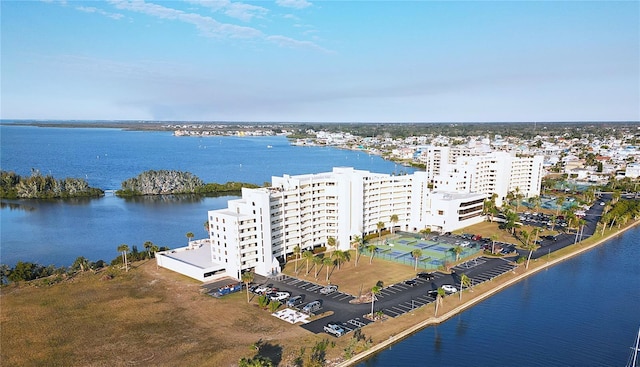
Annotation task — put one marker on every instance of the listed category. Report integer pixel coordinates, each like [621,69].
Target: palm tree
[425,232]
[559,202]
[581,224]
[247,277]
[357,243]
[553,219]
[308,256]
[154,248]
[615,196]
[439,298]
[530,247]
[338,255]
[465,281]
[457,250]
[331,243]
[296,254]
[537,201]
[416,255]
[525,237]
[379,225]
[206,227]
[372,249]
[535,232]
[124,248]
[346,256]
[518,197]
[494,238]
[147,245]
[326,261]
[317,261]
[190,236]
[394,220]
[82,263]
[374,290]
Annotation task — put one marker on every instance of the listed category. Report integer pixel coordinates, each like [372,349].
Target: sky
[320,61]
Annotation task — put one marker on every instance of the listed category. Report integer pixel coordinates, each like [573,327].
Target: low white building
[632,170]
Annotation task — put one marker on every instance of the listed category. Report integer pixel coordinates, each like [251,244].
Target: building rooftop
[199,257]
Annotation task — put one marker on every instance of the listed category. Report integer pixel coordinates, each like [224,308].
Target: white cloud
[210,27]
[296,4]
[283,41]
[207,25]
[237,10]
[91,9]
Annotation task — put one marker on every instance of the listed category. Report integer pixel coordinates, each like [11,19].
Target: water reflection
[165,199]
[437,340]
[15,206]
[461,327]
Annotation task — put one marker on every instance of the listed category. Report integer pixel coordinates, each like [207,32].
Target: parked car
[449,288]
[410,282]
[312,307]
[425,276]
[329,289]
[263,288]
[433,293]
[279,296]
[295,300]
[335,330]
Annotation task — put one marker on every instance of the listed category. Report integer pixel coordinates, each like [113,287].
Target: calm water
[583,312]
[57,232]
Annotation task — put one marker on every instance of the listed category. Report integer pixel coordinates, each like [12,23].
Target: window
[440,212]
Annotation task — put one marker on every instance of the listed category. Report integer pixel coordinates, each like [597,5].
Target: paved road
[592,216]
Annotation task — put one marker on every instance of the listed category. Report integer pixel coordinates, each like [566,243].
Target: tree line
[37,186]
[173,182]
[28,271]
[162,182]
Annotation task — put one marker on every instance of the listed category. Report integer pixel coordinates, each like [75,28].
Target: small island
[171,182]
[37,186]
[162,182]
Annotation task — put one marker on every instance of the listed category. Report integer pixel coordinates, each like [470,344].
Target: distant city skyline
[321,61]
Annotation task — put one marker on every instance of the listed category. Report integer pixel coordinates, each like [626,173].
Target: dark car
[410,282]
[295,301]
[425,276]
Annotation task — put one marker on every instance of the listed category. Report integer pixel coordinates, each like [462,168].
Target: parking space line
[400,309]
[390,312]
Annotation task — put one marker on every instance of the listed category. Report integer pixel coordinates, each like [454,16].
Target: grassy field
[156,317]
[354,279]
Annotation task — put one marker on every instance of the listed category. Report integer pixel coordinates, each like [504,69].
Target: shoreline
[393,339]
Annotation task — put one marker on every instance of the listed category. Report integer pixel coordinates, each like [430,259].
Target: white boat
[633,358]
[269,146]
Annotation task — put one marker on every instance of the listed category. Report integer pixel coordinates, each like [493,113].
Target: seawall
[444,317]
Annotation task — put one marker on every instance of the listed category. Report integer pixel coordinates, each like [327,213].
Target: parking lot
[393,300]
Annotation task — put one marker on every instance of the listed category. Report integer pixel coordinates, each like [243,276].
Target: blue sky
[308,61]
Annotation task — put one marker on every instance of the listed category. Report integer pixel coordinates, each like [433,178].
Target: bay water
[582,312]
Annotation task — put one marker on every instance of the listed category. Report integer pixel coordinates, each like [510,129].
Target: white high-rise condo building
[468,170]
[259,230]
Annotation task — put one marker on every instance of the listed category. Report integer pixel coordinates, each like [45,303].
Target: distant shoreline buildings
[259,230]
